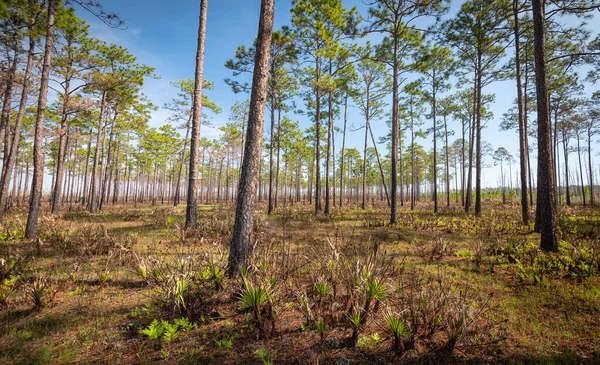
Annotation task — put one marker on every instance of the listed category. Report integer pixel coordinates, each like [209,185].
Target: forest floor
[126,286]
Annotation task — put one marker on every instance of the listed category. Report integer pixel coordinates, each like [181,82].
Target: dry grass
[97,300]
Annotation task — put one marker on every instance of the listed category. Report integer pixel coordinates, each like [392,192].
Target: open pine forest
[371,182]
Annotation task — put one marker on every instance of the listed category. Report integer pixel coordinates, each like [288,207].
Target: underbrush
[446,288]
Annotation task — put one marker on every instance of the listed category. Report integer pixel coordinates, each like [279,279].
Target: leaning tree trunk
[546,187]
[38,153]
[239,255]
[8,89]
[190,213]
[9,161]
[380,166]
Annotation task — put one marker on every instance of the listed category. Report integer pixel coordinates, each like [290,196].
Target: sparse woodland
[284,240]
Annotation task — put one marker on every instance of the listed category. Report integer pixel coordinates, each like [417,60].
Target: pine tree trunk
[84,193]
[566,154]
[343,152]
[7,97]
[447,164]
[479,157]
[434,112]
[92,203]
[38,153]
[589,140]
[380,167]
[241,245]
[278,158]
[271,147]
[317,144]
[62,145]
[472,123]
[522,129]
[394,151]
[191,209]
[580,169]
[9,161]
[546,187]
[328,157]
[182,162]
[364,177]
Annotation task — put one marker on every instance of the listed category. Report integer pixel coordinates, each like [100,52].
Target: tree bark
[9,161]
[434,111]
[546,187]
[394,151]
[38,153]
[343,151]
[589,143]
[92,200]
[271,147]
[580,169]
[522,129]
[241,245]
[182,162]
[191,209]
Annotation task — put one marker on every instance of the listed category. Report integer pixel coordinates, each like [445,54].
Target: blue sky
[163,34]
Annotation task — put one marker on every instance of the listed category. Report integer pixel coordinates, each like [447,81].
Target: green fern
[154,331]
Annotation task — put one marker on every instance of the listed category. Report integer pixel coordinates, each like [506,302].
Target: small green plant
[305,308]
[179,293]
[465,252]
[356,320]
[167,331]
[369,341]
[215,275]
[253,300]
[155,330]
[320,326]
[7,287]
[104,276]
[224,344]
[322,290]
[376,291]
[265,355]
[41,291]
[398,328]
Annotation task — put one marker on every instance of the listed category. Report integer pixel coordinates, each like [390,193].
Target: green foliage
[41,291]
[224,344]
[265,354]
[322,289]
[369,341]
[376,290]
[167,331]
[256,300]
[155,330]
[465,252]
